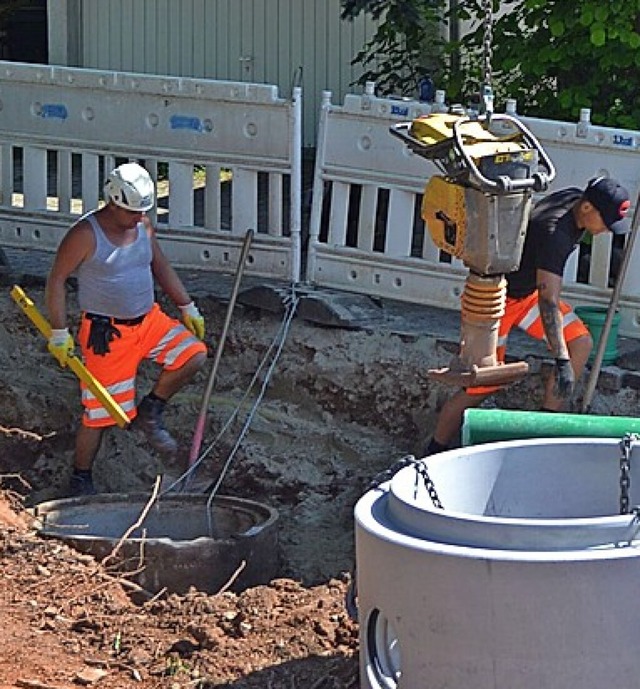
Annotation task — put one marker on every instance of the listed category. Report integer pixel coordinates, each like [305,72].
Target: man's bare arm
[75,247]
[549,287]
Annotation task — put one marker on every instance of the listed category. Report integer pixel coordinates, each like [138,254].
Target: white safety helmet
[130,186]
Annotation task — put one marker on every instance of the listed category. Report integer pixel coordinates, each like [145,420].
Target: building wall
[279,42]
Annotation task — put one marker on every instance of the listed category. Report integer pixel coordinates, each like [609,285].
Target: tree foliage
[406,46]
[555,57]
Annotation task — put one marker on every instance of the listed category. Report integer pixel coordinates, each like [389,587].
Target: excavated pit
[341,405]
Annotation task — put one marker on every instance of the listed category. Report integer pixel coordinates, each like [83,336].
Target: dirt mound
[306,438]
[305,433]
[66,620]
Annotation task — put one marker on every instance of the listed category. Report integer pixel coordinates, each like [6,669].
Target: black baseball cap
[612,201]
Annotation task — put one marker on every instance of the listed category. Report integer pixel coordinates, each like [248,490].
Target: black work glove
[565,379]
[101,333]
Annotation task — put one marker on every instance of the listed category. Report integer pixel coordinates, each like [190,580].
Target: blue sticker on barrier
[186,122]
[620,140]
[401,110]
[54,110]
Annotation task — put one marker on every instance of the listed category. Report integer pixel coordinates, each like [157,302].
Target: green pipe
[490,425]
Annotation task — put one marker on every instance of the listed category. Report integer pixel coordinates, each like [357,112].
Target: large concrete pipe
[527,578]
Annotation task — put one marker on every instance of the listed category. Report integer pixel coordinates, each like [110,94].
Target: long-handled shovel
[202,416]
[611,310]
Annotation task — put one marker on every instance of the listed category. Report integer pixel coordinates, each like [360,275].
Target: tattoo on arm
[551,317]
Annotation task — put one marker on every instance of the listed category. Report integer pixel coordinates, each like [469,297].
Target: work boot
[81,484]
[149,421]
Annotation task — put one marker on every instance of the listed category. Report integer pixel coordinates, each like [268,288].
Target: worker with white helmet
[115,254]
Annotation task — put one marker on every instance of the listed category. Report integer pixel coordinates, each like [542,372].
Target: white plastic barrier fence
[581,151]
[366,233]
[215,148]
[228,157]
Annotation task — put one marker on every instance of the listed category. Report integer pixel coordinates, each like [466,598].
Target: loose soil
[326,425]
[339,407]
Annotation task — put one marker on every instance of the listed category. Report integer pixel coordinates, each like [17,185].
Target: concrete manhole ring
[181,543]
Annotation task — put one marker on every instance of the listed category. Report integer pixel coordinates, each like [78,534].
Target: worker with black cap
[557,224]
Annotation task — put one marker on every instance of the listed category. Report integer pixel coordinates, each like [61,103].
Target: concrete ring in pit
[180,543]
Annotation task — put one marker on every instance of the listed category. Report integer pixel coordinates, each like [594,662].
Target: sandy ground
[306,432]
[339,406]
[308,451]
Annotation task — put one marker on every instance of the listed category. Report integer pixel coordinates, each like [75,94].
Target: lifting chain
[625,470]
[488,42]
[486,93]
[351,595]
[421,471]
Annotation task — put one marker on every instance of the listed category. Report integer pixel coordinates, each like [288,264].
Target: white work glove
[61,345]
[193,320]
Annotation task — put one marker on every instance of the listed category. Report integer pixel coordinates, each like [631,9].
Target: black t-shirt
[552,234]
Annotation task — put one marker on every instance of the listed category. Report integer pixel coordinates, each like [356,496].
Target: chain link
[488,42]
[625,470]
[421,471]
[486,90]
[351,596]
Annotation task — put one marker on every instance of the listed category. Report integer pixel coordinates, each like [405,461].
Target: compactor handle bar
[539,181]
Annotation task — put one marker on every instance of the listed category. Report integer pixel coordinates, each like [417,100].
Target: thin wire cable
[191,470]
[287,321]
[263,388]
[291,302]
[278,337]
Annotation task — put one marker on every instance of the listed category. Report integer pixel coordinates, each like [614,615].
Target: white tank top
[117,280]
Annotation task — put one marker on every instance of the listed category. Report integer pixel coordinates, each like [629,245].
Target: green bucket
[594,318]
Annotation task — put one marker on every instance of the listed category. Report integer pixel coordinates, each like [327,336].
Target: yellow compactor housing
[472,155]
[477,210]
[486,232]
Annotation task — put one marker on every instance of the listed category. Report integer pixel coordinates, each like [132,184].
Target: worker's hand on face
[565,379]
[61,345]
[193,320]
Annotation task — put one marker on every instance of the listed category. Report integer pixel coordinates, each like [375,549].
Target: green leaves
[598,35]
[557,27]
[555,57]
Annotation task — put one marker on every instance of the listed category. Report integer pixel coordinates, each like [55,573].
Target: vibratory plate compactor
[477,211]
